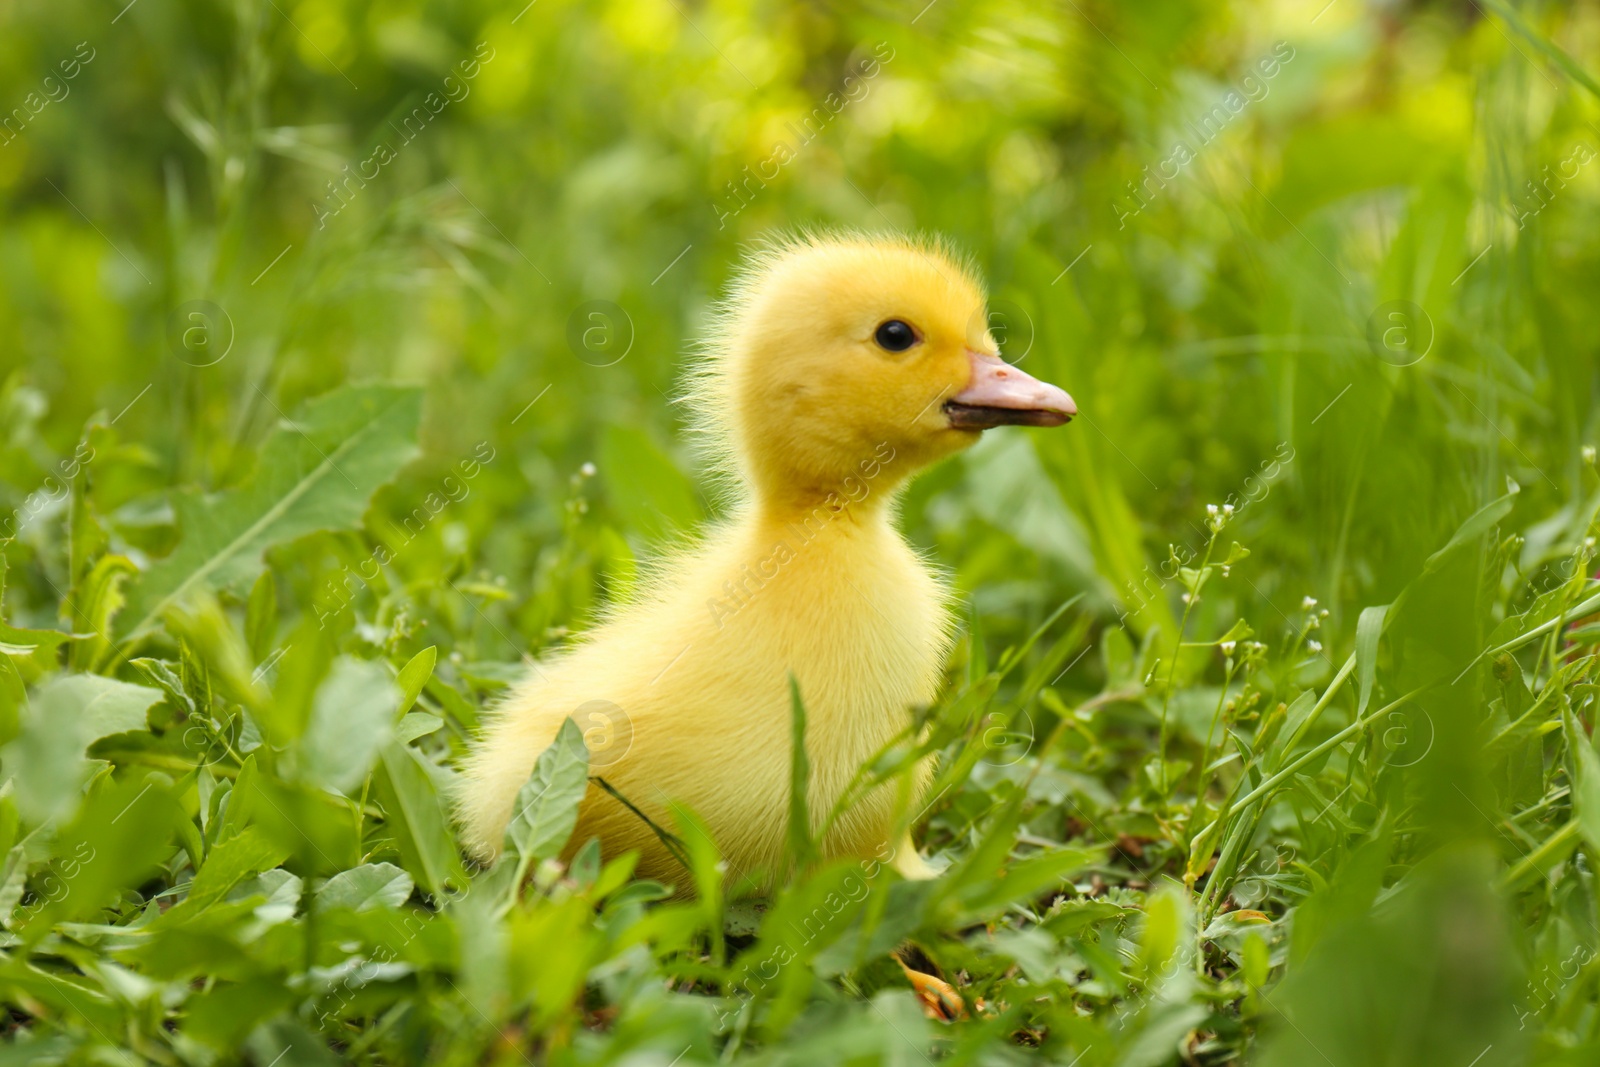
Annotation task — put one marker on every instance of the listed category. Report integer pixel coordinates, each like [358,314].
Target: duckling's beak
[1000,394]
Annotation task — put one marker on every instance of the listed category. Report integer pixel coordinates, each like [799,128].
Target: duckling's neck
[862,493]
[810,514]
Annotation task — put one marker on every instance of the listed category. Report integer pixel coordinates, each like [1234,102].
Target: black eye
[895,336]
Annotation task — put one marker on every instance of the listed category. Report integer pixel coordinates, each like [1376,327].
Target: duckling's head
[837,356]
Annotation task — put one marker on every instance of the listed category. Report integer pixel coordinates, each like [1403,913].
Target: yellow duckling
[840,367]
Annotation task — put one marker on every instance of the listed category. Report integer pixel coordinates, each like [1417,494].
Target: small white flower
[1308,603]
[1227,509]
[1323,614]
[1186,598]
[1227,648]
[1315,646]
[1211,509]
[587,470]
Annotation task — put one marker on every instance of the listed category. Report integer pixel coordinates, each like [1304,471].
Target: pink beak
[1000,394]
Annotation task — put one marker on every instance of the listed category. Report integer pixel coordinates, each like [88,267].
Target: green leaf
[801,849]
[117,841]
[67,714]
[1294,721]
[221,1015]
[168,681]
[417,819]
[287,1040]
[1166,1024]
[240,800]
[414,675]
[261,616]
[316,472]
[214,649]
[371,885]
[546,809]
[1478,523]
[13,700]
[416,724]
[1030,878]
[1586,786]
[1369,628]
[232,861]
[316,827]
[97,604]
[34,651]
[352,716]
[1167,919]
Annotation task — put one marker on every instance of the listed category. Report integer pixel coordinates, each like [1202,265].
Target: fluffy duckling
[840,367]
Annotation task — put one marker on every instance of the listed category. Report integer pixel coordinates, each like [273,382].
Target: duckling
[839,366]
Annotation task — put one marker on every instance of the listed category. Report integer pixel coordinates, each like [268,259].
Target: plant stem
[1172,671]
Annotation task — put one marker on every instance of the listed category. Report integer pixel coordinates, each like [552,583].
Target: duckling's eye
[895,336]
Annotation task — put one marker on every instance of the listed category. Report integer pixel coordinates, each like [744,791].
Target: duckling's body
[700,678]
[823,417]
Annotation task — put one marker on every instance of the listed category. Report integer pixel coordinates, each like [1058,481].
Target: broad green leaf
[1166,916]
[123,832]
[66,715]
[371,885]
[316,472]
[242,856]
[1165,1026]
[416,724]
[351,718]
[417,819]
[284,1040]
[546,808]
[221,1015]
[106,706]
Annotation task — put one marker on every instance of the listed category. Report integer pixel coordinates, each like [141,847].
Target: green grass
[288,493]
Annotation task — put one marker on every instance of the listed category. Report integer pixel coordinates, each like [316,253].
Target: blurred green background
[1332,265]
